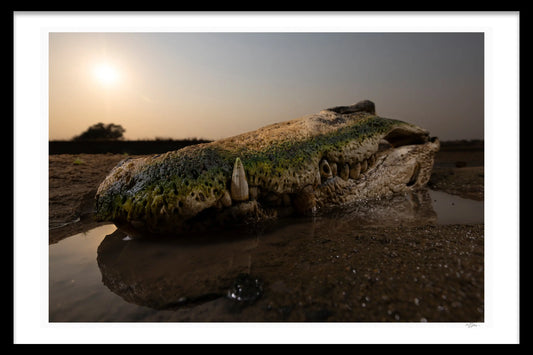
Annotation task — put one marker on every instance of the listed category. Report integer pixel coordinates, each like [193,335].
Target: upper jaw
[350,161]
[388,171]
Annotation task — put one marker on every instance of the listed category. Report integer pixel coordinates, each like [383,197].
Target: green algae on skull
[166,192]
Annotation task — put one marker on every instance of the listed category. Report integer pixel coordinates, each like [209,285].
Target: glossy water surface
[104,275]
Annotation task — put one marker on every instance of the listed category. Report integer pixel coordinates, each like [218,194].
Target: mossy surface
[279,161]
[279,156]
[170,181]
[176,184]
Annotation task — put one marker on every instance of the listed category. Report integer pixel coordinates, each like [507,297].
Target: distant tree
[102,131]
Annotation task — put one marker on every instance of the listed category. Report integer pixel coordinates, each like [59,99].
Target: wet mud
[313,270]
[410,258]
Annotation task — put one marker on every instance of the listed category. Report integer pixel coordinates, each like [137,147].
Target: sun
[105,74]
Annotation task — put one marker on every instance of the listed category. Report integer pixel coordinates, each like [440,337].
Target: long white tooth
[239,185]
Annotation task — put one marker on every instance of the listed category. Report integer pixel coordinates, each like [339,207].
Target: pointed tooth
[225,200]
[355,171]
[239,185]
[364,166]
[345,172]
[333,167]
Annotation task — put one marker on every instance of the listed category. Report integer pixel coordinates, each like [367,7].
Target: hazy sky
[215,85]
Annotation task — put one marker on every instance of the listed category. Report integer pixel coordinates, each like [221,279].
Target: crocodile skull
[338,156]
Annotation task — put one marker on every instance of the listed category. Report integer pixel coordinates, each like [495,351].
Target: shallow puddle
[451,209]
[104,275]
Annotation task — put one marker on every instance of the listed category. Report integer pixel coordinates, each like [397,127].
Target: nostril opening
[325,168]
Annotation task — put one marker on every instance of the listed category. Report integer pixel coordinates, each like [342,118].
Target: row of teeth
[240,191]
[344,171]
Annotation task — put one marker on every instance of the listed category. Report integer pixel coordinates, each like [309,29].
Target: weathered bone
[355,171]
[333,167]
[225,200]
[371,160]
[345,172]
[364,166]
[239,185]
[361,106]
[286,164]
[325,170]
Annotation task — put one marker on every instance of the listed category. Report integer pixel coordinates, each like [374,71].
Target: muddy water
[399,259]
